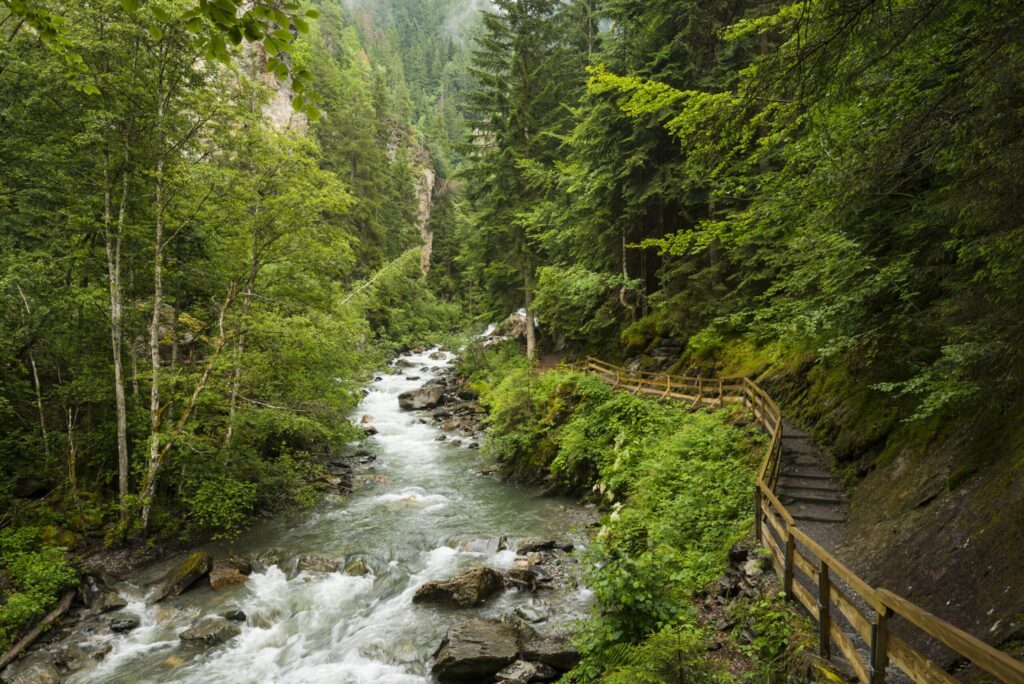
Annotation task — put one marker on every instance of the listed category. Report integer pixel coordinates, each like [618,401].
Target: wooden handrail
[883,603]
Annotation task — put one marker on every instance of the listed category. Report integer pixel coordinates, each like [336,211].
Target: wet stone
[525,671]
[124,623]
[210,631]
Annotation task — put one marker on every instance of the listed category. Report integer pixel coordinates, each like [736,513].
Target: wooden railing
[810,574]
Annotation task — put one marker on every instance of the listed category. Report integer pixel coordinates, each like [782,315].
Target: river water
[430,516]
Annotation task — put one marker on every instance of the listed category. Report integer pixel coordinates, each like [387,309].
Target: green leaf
[161,14]
[155,32]
[130,5]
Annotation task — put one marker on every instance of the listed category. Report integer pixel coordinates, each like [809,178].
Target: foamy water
[430,517]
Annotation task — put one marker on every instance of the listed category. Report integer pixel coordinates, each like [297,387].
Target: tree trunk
[148,488]
[250,291]
[531,332]
[154,323]
[35,374]
[112,239]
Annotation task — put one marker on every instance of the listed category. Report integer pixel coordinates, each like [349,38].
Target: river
[430,515]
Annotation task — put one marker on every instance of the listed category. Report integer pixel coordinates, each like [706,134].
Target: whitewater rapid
[429,516]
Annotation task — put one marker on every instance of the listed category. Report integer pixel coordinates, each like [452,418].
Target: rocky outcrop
[475,650]
[180,577]
[210,631]
[426,397]
[462,591]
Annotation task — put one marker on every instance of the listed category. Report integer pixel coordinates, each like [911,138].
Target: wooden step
[806,473]
[787,496]
[797,484]
[814,513]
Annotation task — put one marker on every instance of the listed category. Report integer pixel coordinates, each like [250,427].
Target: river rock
[224,577]
[465,590]
[556,650]
[124,623]
[309,562]
[72,657]
[526,579]
[524,671]
[180,577]
[108,601]
[265,560]
[235,615]
[426,397]
[356,567]
[36,668]
[475,650]
[531,614]
[403,363]
[530,545]
[210,631]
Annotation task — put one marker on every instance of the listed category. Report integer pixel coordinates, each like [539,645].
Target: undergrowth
[676,489]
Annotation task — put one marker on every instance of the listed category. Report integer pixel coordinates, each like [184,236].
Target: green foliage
[677,485]
[36,575]
[579,304]
[287,260]
[223,505]
[674,653]
[215,25]
[780,634]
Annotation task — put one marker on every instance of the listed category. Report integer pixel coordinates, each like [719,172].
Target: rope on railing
[792,549]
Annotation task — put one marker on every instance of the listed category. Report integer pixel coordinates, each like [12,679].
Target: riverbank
[419,510]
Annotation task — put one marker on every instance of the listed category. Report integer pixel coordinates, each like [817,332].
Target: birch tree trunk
[35,373]
[154,323]
[113,234]
[531,332]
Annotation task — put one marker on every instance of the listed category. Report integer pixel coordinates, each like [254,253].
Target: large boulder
[426,397]
[180,577]
[556,650]
[475,650]
[463,591]
[210,631]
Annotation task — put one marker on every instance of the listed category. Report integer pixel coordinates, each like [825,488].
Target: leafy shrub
[223,505]
[38,573]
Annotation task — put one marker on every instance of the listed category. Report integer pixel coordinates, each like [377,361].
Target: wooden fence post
[668,385]
[757,515]
[617,377]
[787,578]
[824,612]
[879,647]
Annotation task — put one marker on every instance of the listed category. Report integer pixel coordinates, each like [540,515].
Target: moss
[960,476]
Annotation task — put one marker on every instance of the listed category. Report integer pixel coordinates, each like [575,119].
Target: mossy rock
[182,576]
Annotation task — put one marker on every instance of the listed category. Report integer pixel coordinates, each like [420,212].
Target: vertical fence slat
[824,611]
